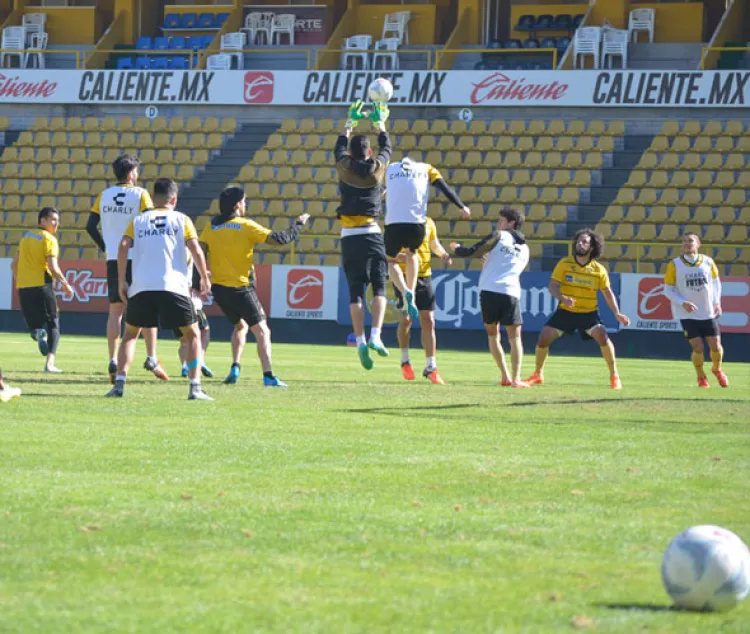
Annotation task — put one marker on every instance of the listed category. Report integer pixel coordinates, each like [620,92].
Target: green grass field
[357,502]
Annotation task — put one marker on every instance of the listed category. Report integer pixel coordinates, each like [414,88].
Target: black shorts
[152,309]
[695,328]
[113,282]
[568,322]
[39,306]
[499,308]
[403,235]
[239,303]
[424,295]
[364,262]
[202,324]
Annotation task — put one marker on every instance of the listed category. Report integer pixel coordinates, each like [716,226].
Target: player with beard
[575,282]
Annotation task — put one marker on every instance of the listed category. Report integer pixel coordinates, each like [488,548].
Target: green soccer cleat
[364,356]
[378,347]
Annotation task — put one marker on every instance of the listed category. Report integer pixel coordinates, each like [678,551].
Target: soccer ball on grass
[706,568]
[380,90]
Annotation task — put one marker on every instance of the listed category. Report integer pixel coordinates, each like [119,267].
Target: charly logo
[652,302]
[258,87]
[304,289]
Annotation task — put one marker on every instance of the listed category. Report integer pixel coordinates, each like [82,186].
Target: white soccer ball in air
[706,568]
[380,90]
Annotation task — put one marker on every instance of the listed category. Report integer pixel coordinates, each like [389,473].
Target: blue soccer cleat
[233,376]
[411,308]
[364,356]
[207,372]
[40,336]
[273,382]
[184,372]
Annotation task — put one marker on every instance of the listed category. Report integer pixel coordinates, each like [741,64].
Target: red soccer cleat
[615,383]
[433,376]
[536,379]
[407,371]
[721,377]
[703,381]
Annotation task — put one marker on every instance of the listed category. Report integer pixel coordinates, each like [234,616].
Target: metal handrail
[208,53]
[192,55]
[44,51]
[369,51]
[705,50]
[516,51]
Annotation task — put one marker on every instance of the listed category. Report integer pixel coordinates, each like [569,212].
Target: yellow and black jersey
[36,246]
[424,252]
[230,250]
[581,283]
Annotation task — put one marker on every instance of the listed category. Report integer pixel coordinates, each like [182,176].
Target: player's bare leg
[406,283]
[192,338]
[599,334]
[377,308]
[516,355]
[717,356]
[239,337]
[125,359]
[496,350]
[546,338]
[429,343]
[357,312]
[262,335]
[152,363]
[403,334]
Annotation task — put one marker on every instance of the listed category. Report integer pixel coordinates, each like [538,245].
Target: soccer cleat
[273,382]
[197,394]
[378,347]
[615,383]
[51,369]
[433,375]
[233,376]
[8,393]
[364,356]
[411,309]
[207,372]
[156,368]
[703,381]
[506,382]
[117,391]
[722,378]
[112,371]
[407,371]
[536,379]
[40,336]
[519,384]
[184,371]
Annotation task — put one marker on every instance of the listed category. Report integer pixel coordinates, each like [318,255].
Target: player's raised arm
[479,249]
[280,238]
[436,178]
[379,116]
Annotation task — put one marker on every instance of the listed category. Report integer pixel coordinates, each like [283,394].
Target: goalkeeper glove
[355,114]
[379,113]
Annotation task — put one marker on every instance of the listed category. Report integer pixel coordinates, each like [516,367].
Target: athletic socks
[361,340]
[404,355]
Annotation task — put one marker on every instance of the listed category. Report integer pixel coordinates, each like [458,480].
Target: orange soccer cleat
[615,382]
[506,382]
[433,376]
[407,371]
[703,381]
[722,378]
[536,379]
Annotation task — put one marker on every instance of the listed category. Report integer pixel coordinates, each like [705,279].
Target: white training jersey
[503,267]
[159,254]
[117,206]
[407,186]
[697,283]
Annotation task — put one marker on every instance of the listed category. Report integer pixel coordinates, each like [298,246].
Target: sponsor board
[6,284]
[659,89]
[457,301]
[304,292]
[309,22]
[642,299]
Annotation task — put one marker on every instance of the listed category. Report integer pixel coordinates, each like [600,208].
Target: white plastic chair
[586,42]
[234,42]
[641,20]
[14,38]
[37,47]
[283,24]
[220,61]
[252,22]
[34,23]
[357,47]
[615,43]
[397,23]
[389,44]
[264,25]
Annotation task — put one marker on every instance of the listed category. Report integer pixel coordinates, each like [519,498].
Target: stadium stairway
[224,167]
[674,56]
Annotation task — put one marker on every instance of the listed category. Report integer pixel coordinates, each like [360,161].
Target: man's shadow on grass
[639,607]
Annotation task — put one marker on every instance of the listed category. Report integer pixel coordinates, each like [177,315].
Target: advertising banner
[6,284]
[309,22]
[90,290]
[457,301]
[642,299]
[660,89]
[304,292]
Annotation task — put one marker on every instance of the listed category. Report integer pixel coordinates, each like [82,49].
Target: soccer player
[361,183]
[575,282]
[506,255]
[6,391]
[424,299]
[114,208]
[34,268]
[159,294]
[203,326]
[692,284]
[408,189]
[229,241]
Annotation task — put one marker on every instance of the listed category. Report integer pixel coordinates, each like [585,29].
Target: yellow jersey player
[114,209]
[34,268]
[692,284]
[229,242]
[424,300]
[575,283]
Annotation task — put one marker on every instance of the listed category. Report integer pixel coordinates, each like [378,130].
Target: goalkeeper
[361,183]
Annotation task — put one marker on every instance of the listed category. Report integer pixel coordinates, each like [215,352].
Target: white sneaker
[9,393]
[197,394]
[52,369]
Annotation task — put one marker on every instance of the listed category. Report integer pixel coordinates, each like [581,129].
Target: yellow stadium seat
[725,144]
[545,231]
[714,233]
[26,155]
[57,124]
[524,144]
[528,195]
[11,170]
[537,212]
[646,196]
[724,180]
[228,125]
[318,157]
[623,233]
[670,128]
[329,192]
[292,142]
[638,179]
[701,145]
[508,194]
[734,128]
[399,127]
[145,140]
[461,177]
[185,172]
[549,195]
[636,214]
[159,124]
[193,124]
[703,215]
[626,196]
[44,171]
[458,127]
[198,139]
[496,127]
[736,198]
[725,216]
[659,144]
[647,233]
[616,128]
[142,124]
[517,127]
[680,144]
[712,197]
[420,126]
[542,178]
[473,159]
[614,214]
[734,162]
[28,170]
[691,128]
[439,127]
[737,235]
[504,144]
[500,177]
[584,144]
[668,233]
[554,160]
[521,177]
[125,124]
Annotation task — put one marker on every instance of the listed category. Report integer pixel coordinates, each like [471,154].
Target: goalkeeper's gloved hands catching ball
[355,114]
[379,115]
